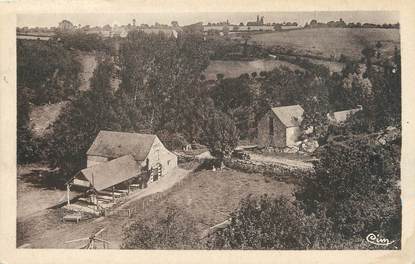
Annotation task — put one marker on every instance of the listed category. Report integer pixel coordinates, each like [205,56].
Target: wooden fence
[147,201]
[159,196]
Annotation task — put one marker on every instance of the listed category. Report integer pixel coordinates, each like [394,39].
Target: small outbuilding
[340,117]
[280,127]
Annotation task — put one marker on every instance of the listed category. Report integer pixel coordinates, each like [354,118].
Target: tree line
[341,24]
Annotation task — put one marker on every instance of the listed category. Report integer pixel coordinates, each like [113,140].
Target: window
[271,126]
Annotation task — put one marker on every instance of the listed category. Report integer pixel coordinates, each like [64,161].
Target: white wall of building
[292,135]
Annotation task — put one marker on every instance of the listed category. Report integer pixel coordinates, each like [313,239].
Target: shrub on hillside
[170,231]
[272,223]
[172,141]
[356,181]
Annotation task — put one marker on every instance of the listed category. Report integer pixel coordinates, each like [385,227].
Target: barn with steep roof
[115,157]
[280,127]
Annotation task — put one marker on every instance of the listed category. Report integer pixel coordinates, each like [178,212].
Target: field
[205,196]
[31,187]
[233,69]
[326,42]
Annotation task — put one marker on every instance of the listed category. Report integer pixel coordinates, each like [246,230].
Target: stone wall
[279,172]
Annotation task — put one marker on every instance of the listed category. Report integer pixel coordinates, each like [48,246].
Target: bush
[170,231]
[271,223]
[356,181]
[172,141]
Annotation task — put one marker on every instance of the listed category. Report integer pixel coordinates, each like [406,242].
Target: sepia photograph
[231,130]
[207,131]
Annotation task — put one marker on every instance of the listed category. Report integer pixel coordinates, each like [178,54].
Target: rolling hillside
[325,42]
[233,69]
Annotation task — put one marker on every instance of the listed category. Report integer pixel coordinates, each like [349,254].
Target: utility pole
[68,191]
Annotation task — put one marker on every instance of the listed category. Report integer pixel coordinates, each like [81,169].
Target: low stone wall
[279,172]
[183,158]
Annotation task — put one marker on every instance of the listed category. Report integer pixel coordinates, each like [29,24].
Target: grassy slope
[206,196]
[29,190]
[233,69]
[89,63]
[41,117]
[327,41]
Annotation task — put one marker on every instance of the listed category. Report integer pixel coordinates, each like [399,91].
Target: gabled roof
[290,116]
[107,174]
[341,116]
[111,144]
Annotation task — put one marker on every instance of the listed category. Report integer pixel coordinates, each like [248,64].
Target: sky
[48,20]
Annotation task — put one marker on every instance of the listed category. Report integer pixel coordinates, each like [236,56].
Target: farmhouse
[115,158]
[280,127]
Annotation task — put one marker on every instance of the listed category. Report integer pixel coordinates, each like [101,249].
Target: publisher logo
[376,239]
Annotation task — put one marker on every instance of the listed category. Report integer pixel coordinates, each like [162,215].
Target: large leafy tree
[220,134]
[162,75]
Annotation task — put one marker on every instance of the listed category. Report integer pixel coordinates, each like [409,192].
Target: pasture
[327,42]
[233,69]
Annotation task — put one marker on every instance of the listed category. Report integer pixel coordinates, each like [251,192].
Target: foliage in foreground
[356,181]
[353,192]
[170,231]
[271,223]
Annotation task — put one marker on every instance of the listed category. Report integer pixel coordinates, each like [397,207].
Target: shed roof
[107,174]
[341,116]
[116,144]
[290,116]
